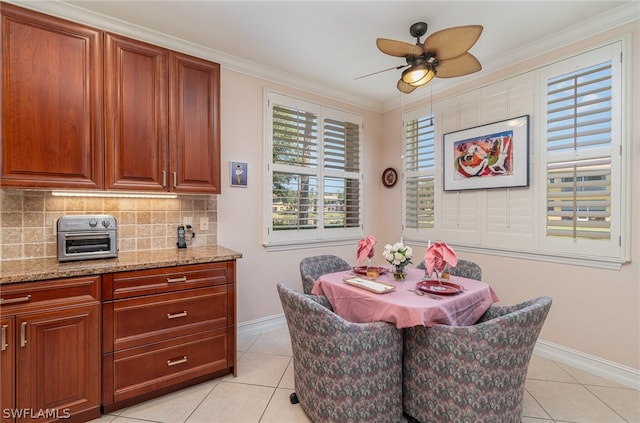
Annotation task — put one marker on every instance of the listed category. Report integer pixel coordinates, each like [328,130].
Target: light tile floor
[260,394]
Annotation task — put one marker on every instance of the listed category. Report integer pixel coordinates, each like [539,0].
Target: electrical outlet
[188,221]
[204,223]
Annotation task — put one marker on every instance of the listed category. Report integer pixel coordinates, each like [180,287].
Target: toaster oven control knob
[106,223]
[93,223]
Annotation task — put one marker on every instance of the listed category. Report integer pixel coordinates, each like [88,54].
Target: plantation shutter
[579,149]
[314,168]
[419,173]
[295,183]
[342,161]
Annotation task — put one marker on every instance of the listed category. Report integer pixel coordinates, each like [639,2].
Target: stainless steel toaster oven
[86,237]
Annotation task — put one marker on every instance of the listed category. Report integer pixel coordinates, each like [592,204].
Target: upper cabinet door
[194,124]
[136,131]
[51,102]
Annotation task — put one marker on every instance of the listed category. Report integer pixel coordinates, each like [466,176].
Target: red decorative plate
[435,287]
[362,270]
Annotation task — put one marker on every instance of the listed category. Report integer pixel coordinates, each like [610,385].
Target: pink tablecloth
[403,307]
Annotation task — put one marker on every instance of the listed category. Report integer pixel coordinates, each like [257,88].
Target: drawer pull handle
[176,315]
[180,279]
[4,337]
[23,334]
[175,179]
[164,178]
[15,300]
[178,361]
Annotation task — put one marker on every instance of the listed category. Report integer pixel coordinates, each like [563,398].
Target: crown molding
[616,17]
[106,23]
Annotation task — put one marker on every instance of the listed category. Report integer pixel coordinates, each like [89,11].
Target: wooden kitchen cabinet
[162,119]
[52,102]
[148,120]
[51,351]
[165,329]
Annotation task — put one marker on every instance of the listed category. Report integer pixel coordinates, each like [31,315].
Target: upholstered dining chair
[464,268]
[343,371]
[472,373]
[311,268]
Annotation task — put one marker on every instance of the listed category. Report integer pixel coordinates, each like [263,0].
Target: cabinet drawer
[168,279]
[154,318]
[28,296]
[141,370]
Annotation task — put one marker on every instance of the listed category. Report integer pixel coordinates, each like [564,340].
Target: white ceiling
[326,44]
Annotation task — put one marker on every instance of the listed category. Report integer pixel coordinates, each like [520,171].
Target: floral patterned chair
[343,371]
[464,268]
[311,268]
[473,373]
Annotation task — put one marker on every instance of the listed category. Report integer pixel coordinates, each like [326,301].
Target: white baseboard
[258,326]
[594,365]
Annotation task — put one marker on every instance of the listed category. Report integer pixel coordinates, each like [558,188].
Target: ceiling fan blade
[458,66]
[398,48]
[404,87]
[452,42]
[380,71]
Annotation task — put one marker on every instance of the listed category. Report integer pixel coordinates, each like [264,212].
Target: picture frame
[495,155]
[238,174]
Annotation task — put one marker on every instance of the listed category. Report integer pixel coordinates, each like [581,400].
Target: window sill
[572,260]
[297,245]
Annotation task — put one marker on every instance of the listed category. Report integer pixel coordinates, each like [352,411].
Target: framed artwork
[495,155]
[238,174]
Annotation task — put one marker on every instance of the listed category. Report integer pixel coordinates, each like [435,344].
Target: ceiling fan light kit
[419,75]
[444,54]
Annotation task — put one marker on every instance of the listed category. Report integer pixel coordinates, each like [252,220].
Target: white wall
[595,311]
[240,210]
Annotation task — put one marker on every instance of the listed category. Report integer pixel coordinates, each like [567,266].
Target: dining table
[358,299]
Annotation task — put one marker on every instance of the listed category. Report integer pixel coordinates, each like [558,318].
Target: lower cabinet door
[7,369]
[58,362]
[144,369]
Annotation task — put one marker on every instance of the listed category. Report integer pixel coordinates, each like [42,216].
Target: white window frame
[477,237]
[278,240]
[580,247]
[410,231]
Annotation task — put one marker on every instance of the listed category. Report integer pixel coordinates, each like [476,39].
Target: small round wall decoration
[389,177]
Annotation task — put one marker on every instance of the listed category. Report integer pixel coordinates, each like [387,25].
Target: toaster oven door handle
[84,235]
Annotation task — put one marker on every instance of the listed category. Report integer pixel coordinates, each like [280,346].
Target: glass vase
[399,272]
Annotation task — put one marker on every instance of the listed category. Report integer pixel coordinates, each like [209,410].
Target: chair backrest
[311,268]
[497,348]
[343,371]
[464,268]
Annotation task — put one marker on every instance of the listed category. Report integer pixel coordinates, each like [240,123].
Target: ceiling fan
[444,54]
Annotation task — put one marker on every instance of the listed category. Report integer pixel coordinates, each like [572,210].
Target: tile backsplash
[28,221]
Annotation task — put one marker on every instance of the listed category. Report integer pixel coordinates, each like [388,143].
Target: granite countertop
[27,270]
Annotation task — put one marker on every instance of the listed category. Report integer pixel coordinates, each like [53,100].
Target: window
[314,163]
[582,150]
[419,169]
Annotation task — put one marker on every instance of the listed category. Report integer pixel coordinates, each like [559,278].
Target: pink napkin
[438,255]
[365,248]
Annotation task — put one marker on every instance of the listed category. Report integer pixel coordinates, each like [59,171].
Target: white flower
[398,254]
